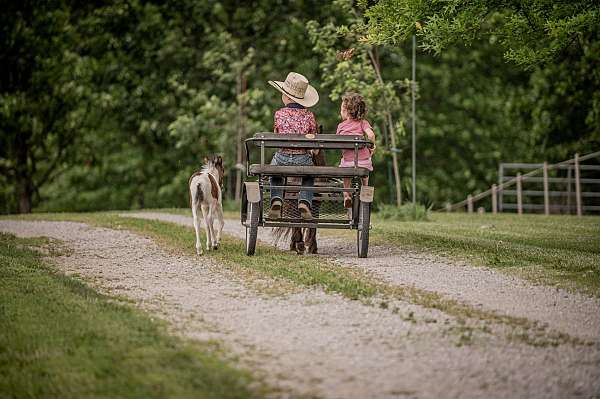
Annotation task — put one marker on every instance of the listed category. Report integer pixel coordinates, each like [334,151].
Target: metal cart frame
[328,210]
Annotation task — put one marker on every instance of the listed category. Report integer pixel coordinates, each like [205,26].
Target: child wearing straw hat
[297,96]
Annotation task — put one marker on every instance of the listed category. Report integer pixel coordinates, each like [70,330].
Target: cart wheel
[355,210]
[252,227]
[364,223]
[244,207]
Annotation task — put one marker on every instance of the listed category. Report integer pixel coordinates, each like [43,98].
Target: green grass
[553,250]
[61,339]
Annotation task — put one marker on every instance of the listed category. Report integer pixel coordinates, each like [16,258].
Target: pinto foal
[206,200]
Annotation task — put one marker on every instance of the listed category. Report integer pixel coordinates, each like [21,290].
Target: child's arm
[371,136]
[314,130]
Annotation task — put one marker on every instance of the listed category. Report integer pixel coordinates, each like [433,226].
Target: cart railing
[310,141]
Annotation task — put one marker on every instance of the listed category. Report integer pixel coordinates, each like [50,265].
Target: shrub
[406,212]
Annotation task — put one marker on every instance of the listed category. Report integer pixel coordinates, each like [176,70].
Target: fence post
[546,194]
[500,181]
[470,203]
[569,193]
[519,194]
[577,185]
[494,199]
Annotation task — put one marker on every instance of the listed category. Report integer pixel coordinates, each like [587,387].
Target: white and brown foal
[206,201]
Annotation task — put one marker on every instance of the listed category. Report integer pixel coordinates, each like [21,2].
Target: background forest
[112,104]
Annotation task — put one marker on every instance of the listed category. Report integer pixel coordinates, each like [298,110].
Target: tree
[144,90]
[112,105]
[531,33]
[41,101]
[551,98]
[359,69]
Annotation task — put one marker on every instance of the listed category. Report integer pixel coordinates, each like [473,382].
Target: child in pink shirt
[353,111]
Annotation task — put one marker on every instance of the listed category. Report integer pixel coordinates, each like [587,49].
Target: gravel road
[573,314]
[313,343]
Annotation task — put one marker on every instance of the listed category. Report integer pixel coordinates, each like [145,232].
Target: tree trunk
[23,178]
[241,131]
[24,192]
[391,130]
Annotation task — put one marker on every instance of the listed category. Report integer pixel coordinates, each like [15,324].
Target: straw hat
[297,88]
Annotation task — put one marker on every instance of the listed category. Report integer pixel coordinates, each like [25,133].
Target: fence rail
[509,165]
[539,193]
[573,166]
[555,179]
[562,207]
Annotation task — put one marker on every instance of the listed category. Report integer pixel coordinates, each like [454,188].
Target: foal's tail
[198,196]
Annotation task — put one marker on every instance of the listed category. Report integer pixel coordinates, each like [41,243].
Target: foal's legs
[208,224]
[218,211]
[195,210]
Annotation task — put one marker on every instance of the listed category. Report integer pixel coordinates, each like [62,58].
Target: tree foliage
[112,105]
[550,107]
[530,32]
[39,115]
[349,64]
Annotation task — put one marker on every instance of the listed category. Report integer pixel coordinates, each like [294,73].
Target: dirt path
[310,342]
[573,314]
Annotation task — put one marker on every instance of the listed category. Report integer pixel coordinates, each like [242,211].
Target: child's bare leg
[347,183]
[365,181]
[347,195]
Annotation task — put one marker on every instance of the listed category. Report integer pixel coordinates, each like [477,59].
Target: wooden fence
[571,197]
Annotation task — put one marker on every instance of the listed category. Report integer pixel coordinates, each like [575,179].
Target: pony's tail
[280,234]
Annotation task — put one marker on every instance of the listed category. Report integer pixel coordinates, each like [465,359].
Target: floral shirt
[294,119]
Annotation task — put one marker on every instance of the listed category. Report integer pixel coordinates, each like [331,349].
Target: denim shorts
[284,158]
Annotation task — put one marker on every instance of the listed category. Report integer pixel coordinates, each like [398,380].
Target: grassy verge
[229,214]
[295,271]
[563,251]
[59,338]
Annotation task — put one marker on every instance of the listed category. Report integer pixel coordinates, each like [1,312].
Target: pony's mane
[209,167]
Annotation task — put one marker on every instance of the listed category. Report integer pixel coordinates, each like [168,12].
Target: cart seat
[328,171]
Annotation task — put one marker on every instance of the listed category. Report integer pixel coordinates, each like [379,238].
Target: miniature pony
[205,188]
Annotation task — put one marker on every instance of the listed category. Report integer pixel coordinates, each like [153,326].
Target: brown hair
[355,105]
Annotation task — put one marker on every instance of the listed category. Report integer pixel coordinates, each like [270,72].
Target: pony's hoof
[215,247]
[300,248]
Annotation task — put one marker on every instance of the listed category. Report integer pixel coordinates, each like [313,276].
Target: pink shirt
[354,127]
